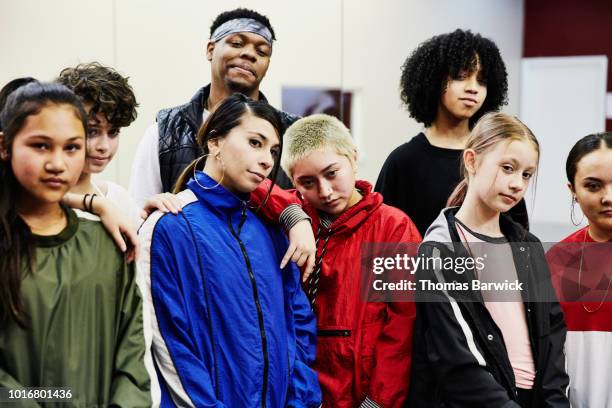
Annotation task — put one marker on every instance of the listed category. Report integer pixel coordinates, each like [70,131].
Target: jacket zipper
[262,332]
[334,333]
[530,323]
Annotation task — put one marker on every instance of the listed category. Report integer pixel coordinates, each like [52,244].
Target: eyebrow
[516,163]
[45,137]
[328,167]
[322,171]
[262,136]
[258,134]
[257,42]
[302,178]
[591,179]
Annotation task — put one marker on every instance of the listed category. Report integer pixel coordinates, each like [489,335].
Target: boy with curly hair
[110,104]
[447,84]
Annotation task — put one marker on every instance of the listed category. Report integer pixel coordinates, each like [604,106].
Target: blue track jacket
[230,329]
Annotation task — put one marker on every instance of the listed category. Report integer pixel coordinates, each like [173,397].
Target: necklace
[586,309]
[465,241]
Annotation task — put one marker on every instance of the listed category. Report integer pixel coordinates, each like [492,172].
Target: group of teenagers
[242,287]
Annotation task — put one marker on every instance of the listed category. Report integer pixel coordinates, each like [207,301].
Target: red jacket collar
[352,218]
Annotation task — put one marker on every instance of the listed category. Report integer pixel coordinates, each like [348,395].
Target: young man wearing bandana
[239,51]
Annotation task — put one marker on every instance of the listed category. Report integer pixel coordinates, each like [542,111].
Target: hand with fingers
[165,202]
[302,249]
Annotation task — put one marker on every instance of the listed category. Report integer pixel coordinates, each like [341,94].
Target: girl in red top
[581,270]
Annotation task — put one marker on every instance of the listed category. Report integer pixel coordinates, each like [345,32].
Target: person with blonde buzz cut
[363,348]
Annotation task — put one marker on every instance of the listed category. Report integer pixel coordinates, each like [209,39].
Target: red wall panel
[556,28]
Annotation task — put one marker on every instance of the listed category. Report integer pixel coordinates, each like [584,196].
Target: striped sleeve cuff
[291,216]
[368,403]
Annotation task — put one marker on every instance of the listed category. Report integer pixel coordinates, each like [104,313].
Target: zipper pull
[243,216]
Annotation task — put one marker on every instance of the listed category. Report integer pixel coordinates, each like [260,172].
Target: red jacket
[363,348]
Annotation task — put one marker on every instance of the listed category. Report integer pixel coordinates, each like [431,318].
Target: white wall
[545,108]
[378,36]
[356,44]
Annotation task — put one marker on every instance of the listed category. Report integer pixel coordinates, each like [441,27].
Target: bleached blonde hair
[315,132]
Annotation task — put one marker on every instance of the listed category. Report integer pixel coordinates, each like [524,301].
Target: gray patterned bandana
[242,25]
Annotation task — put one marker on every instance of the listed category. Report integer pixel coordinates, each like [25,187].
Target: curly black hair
[241,13]
[426,71]
[107,91]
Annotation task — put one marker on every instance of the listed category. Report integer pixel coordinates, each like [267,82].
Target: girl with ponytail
[499,344]
[230,327]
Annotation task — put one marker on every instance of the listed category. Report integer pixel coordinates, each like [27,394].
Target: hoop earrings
[572,215]
[216,156]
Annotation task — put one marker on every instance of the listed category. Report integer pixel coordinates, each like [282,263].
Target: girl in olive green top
[70,311]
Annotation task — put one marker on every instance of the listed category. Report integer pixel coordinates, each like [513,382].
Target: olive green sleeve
[131,385]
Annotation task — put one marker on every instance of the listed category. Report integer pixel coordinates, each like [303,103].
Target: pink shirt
[506,308]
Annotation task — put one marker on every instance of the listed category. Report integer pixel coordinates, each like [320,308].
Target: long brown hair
[16,243]
[491,129]
[227,116]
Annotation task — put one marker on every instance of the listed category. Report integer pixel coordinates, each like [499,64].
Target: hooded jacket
[363,348]
[460,358]
[230,329]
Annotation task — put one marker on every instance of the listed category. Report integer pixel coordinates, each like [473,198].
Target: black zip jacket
[459,355]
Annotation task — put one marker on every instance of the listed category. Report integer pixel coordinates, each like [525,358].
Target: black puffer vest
[178,147]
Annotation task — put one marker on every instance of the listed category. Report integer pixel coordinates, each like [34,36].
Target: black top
[418,178]
[482,237]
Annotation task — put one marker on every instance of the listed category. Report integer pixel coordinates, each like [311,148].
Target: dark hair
[426,71]
[241,13]
[107,91]
[10,87]
[16,244]
[583,147]
[226,116]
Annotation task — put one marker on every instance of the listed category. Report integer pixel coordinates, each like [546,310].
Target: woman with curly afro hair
[447,84]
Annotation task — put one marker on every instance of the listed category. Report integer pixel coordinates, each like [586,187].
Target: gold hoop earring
[572,215]
[218,157]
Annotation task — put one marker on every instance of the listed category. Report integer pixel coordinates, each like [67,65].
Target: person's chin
[504,207]
[604,220]
[247,187]
[241,86]
[54,196]
[336,208]
[95,168]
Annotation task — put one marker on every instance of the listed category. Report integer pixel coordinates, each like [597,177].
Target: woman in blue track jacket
[230,328]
